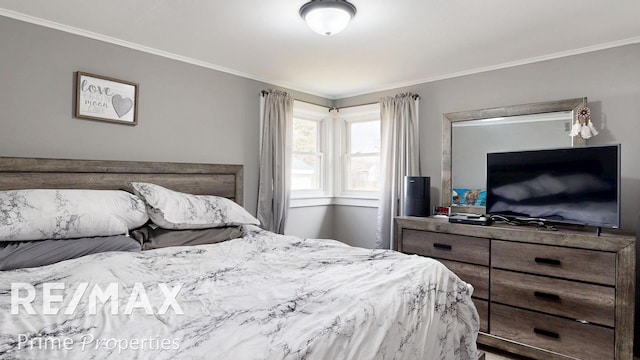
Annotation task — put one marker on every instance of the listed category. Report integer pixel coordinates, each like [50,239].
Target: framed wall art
[106,99]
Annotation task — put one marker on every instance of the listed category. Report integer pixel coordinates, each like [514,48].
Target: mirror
[469,135]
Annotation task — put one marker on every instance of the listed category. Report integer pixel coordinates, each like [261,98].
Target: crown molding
[146,49]
[390,86]
[558,55]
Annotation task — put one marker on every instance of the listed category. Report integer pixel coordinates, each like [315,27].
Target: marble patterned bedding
[262,296]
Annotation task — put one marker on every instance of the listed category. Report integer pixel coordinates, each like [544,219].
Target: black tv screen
[579,185]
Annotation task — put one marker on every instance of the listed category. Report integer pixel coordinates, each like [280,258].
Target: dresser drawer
[580,301]
[476,275]
[483,312]
[446,246]
[584,341]
[575,264]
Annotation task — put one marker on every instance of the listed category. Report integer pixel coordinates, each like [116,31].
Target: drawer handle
[547,261]
[547,296]
[442,246]
[550,334]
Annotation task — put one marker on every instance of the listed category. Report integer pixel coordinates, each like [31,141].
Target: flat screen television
[579,186]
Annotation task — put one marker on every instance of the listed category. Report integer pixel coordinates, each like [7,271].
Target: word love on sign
[106,99]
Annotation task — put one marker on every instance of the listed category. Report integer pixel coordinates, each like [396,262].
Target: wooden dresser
[543,294]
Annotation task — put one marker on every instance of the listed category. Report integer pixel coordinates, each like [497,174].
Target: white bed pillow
[37,214]
[180,211]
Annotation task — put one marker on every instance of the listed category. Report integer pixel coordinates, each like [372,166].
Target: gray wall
[609,78]
[314,222]
[356,225]
[353,225]
[186,113]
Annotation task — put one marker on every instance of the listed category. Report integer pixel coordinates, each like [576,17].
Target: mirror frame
[525,109]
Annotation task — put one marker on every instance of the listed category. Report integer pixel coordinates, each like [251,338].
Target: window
[308,149]
[335,157]
[306,166]
[361,154]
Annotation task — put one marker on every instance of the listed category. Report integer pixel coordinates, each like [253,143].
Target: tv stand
[562,294]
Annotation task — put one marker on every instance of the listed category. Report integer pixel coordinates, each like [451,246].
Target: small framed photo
[106,99]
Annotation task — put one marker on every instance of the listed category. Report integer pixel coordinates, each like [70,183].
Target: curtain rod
[414,96]
[350,106]
[265,92]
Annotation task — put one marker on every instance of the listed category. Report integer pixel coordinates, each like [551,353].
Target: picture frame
[106,99]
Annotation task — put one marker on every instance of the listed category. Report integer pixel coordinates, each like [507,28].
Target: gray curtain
[275,160]
[400,158]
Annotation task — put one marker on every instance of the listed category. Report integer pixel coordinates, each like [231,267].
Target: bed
[235,292]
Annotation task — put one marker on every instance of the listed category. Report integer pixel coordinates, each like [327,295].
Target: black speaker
[416,195]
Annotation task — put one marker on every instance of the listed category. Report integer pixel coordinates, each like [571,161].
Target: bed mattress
[261,296]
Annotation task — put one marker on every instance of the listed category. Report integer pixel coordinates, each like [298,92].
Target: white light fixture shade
[327,17]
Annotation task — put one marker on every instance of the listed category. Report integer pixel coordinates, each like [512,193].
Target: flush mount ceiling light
[327,17]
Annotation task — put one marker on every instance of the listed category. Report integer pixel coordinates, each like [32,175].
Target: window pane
[305,172]
[364,173]
[305,135]
[365,137]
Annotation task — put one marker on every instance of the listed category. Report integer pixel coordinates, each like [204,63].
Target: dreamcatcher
[583,125]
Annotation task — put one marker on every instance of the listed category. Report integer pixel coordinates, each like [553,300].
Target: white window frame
[319,114]
[333,145]
[348,116]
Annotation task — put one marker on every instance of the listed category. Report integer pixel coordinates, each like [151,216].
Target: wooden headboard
[200,179]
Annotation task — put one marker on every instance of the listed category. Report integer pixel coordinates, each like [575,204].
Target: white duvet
[263,296]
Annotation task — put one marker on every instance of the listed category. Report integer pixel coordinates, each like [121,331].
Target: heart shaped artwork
[121,105]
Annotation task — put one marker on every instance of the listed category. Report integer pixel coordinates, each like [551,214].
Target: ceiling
[389,44]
